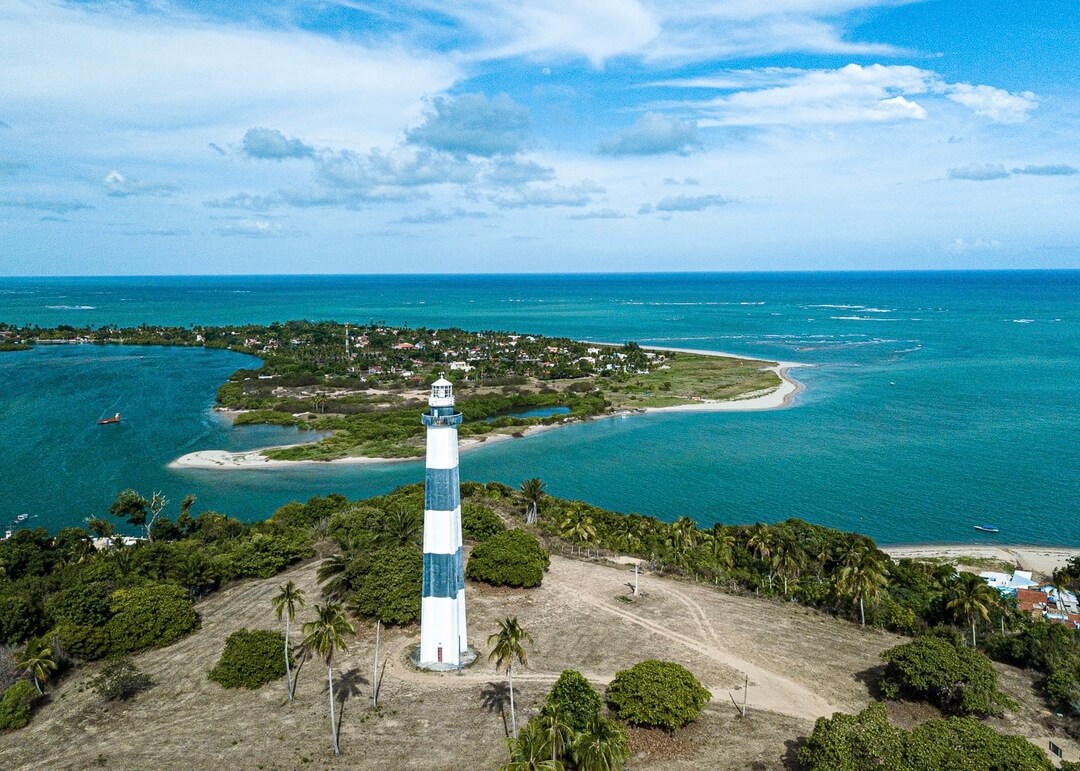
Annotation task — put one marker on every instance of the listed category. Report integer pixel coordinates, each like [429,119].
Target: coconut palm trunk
[288,665]
[862,612]
[513,717]
[333,721]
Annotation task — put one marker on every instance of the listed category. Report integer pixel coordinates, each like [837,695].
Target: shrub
[251,659]
[867,741]
[16,704]
[511,558]
[154,615]
[389,585]
[88,643]
[19,619]
[853,742]
[577,701]
[264,555]
[659,694]
[943,672]
[478,523]
[120,679]
[85,603]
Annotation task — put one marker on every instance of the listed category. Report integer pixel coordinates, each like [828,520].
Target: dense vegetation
[940,669]
[867,740]
[367,393]
[251,659]
[657,694]
[510,558]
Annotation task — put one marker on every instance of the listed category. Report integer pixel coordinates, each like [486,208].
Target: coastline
[1038,559]
[778,398]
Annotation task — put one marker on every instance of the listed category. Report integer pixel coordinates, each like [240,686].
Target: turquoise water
[937,401]
[538,412]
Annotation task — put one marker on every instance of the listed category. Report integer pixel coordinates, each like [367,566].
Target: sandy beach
[777,398]
[1039,559]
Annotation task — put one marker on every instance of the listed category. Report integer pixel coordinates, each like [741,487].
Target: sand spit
[777,398]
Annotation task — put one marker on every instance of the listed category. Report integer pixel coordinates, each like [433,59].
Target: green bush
[957,679]
[88,643]
[660,694]
[962,743]
[85,603]
[150,616]
[19,619]
[120,679]
[577,701]
[264,555]
[511,558]
[16,704]
[389,583]
[478,523]
[854,742]
[868,741]
[251,659]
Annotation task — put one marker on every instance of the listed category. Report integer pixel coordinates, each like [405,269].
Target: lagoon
[937,401]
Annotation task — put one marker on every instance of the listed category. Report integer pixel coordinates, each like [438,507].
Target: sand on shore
[1038,559]
[777,398]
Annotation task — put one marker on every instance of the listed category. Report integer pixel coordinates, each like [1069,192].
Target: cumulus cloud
[1051,170]
[979,172]
[255,228]
[654,134]
[161,232]
[691,202]
[689,181]
[437,216]
[509,172]
[56,206]
[118,185]
[598,214]
[854,93]
[272,145]
[472,124]
[577,195]
[997,104]
[962,246]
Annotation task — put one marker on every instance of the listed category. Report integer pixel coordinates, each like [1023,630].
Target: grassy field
[692,377]
[800,664]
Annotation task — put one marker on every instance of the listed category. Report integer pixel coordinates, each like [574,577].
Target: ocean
[935,401]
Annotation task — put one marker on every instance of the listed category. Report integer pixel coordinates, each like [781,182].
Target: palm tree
[554,730]
[628,534]
[37,661]
[532,492]
[285,605]
[603,746]
[760,540]
[578,528]
[787,560]
[722,548]
[687,530]
[325,636]
[863,575]
[530,751]
[970,598]
[506,645]
[333,575]
[401,527]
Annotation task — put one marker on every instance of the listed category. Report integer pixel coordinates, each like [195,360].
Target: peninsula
[363,385]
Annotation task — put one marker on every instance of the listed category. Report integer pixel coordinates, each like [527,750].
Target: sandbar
[1039,559]
[772,399]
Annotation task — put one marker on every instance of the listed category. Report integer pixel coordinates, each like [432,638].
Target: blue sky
[357,136]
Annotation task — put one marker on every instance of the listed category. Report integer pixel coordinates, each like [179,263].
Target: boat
[106,421]
[22,517]
[987,528]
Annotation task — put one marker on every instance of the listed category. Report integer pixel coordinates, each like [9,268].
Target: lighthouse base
[468,656]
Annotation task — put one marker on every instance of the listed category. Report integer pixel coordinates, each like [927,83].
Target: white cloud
[875,93]
[580,194]
[119,186]
[962,246]
[996,104]
[254,228]
[599,214]
[691,202]
[653,134]
[472,124]
[271,144]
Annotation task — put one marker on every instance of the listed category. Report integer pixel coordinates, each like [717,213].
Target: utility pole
[635,579]
[375,673]
[745,688]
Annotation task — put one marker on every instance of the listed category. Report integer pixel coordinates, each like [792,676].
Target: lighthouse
[443,638]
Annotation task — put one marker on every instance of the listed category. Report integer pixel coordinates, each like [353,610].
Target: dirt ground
[800,664]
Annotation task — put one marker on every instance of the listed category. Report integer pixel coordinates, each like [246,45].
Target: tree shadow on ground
[496,697]
[791,756]
[347,686]
[871,678]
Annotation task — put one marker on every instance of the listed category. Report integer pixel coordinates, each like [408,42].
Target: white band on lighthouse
[443,635]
